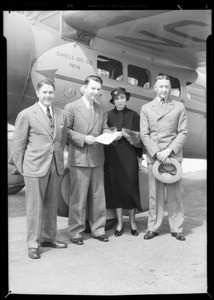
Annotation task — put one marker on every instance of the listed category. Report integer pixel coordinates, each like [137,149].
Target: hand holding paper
[107,138]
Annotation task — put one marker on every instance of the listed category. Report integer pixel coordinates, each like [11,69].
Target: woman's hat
[117,91]
[167,173]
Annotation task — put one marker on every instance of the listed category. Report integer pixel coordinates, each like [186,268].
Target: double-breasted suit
[37,152]
[85,163]
[161,128]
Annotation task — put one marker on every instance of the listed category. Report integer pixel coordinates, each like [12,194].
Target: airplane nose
[18,39]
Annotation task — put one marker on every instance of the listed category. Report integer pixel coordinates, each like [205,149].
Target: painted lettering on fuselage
[161,41]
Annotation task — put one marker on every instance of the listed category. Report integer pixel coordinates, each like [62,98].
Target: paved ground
[126,265]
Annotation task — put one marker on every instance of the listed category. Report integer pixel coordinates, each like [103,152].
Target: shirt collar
[44,108]
[87,103]
[159,99]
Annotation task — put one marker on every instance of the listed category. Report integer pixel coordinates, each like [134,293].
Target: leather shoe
[178,236]
[102,238]
[150,234]
[33,253]
[118,232]
[56,244]
[134,232]
[77,241]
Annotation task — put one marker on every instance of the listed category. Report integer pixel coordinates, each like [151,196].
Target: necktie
[162,102]
[49,114]
[91,111]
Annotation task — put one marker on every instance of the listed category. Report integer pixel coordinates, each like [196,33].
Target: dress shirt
[44,108]
[88,103]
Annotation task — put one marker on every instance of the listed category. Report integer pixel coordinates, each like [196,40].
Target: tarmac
[126,265]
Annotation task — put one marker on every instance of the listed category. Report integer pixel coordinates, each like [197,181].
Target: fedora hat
[167,173]
[115,92]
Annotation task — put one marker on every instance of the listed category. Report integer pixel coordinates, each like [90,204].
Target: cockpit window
[139,76]
[195,93]
[175,85]
[109,67]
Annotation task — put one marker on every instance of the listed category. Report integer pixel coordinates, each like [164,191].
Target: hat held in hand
[167,173]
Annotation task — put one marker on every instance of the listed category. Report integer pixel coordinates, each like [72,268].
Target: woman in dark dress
[121,164]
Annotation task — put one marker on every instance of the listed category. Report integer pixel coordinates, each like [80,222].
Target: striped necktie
[49,114]
[162,102]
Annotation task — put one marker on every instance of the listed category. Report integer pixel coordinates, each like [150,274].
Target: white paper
[107,138]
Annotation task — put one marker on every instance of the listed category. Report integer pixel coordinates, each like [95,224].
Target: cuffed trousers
[158,192]
[87,188]
[41,194]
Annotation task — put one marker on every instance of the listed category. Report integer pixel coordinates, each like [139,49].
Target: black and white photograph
[107,150]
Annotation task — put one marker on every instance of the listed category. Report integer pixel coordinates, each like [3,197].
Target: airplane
[127,48]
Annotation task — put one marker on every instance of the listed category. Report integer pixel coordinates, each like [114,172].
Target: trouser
[158,192]
[41,194]
[87,188]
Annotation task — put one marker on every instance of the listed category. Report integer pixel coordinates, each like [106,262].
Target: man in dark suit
[86,120]
[163,127]
[37,152]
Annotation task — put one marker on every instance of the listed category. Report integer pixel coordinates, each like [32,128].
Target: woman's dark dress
[121,164]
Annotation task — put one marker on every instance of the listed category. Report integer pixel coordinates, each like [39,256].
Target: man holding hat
[163,127]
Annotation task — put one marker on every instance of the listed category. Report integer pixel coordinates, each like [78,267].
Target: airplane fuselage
[37,52]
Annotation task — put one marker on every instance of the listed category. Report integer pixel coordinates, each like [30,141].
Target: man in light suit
[163,127]
[86,120]
[37,152]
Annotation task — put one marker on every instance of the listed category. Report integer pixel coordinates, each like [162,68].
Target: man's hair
[162,76]
[45,81]
[93,77]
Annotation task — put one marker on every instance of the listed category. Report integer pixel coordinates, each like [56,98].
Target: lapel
[95,117]
[57,116]
[84,111]
[155,105]
[167,108]
[41,118]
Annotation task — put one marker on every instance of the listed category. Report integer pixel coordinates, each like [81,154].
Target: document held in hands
[107,138]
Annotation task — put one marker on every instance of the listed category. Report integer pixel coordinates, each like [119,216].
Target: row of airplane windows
[137,76]
[141,77]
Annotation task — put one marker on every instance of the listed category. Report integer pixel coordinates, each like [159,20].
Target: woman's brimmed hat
[117,91]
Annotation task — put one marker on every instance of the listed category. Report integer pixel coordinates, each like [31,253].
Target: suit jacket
[34,145]
[79,125]
[163,127]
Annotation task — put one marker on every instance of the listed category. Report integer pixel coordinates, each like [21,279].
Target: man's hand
[162,155]
[90,140]
[166,161]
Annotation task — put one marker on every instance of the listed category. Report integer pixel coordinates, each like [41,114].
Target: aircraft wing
[177,37]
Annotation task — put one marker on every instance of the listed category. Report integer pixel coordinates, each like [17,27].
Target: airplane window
[195,93]
[175,85]
[109,67]
[139,76]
